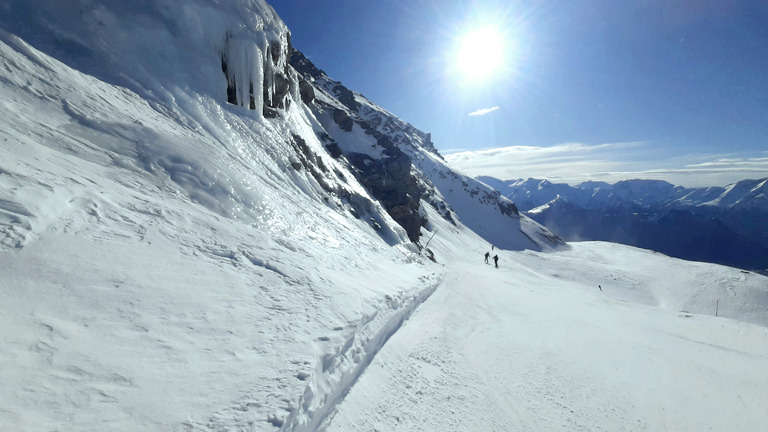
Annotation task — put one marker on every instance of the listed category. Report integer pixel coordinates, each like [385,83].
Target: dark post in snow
[430,239]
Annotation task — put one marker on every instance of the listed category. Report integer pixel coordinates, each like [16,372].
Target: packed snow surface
[536,345]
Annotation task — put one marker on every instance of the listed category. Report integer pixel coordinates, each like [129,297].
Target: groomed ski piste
[536,345]
[165,267]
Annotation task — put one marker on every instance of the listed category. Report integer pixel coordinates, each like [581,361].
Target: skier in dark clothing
[487,254]
[496,260]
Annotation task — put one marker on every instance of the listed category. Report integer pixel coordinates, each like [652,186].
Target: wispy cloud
[611,162]
[482,112]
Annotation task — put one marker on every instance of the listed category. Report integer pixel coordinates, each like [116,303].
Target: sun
[481,53]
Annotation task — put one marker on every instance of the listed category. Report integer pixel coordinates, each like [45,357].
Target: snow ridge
[335,374]
[199,235]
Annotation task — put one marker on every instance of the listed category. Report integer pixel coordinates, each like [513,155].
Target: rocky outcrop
[391,178]
[400,167]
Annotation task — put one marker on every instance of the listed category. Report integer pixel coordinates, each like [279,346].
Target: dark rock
[303,66]
[345,96]
[333,149]
[275,51]
[343,120]
[390,181]
[306,91]
[231,88]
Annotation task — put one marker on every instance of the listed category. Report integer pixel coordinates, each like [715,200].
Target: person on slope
[496,260]
[487,254]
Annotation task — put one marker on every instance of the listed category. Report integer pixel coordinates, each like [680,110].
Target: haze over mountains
[202,231]
[725,225]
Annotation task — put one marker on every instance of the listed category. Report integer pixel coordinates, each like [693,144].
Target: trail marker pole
[430,239]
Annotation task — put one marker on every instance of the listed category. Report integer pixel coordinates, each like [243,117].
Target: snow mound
[171,261]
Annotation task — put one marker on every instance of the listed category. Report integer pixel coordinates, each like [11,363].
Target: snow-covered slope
[182,249]
[170,261]
[381,139]
[535,345]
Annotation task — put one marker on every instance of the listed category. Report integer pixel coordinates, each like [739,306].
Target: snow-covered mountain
[400,164]
[199,234]
[725,225]
[531,193]
[164,187]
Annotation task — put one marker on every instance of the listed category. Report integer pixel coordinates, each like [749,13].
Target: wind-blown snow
[169,261]
[164,265]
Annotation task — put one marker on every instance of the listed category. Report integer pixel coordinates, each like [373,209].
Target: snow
[535,345]
[164,266]
[356,140]
[471,200]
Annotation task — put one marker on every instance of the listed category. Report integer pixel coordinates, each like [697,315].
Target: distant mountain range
[724,225]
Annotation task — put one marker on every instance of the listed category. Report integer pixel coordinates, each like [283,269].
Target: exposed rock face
[307,92]
[343,119]
[390,181]
[401,168]
[389,178]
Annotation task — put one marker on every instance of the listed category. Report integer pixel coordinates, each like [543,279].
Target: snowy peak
[532,193]
[746,193]
[557,202]
[644,191]
[715,224]
[376,119]
[233,51]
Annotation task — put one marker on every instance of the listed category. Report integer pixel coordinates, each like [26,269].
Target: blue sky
[587,89]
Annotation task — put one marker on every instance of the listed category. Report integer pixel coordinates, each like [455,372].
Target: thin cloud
[611,162]
[482,112]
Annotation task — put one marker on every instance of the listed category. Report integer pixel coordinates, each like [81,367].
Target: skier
[487,254]
[496,260]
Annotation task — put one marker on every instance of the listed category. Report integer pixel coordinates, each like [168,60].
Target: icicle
[257,78]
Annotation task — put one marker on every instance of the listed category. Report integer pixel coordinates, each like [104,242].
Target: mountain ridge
[731,220]
[530,193]
[347,115]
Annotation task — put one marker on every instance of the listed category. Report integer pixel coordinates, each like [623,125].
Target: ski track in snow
[149,280]
[518,349]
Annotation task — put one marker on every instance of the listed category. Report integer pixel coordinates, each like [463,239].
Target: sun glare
[480,53]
